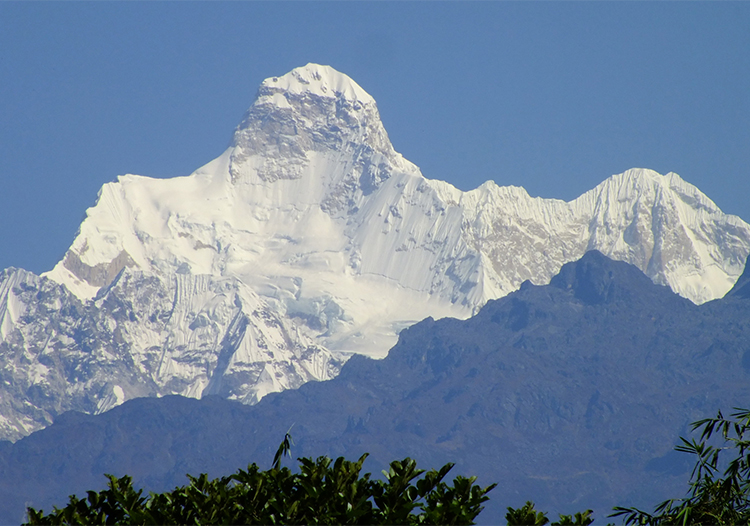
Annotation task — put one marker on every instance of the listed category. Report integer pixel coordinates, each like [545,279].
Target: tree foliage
[334,492]
[528,516]
[322,492]
[719,490]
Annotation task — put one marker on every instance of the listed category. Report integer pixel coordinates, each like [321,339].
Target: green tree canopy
[334,492]
[322,492]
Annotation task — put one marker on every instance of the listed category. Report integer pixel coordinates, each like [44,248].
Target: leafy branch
[715,496]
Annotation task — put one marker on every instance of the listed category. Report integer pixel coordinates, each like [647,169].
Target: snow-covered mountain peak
[654,221]
[646,186]
[313,115]
[316,80]
[312,186]
[632,183]
[311,238]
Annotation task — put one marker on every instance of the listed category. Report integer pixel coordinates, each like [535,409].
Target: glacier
[307,240]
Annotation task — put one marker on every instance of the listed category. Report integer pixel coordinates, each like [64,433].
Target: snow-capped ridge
[642,182]
[316,80]
[315,175]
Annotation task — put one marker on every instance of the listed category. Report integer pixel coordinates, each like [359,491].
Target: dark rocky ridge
[571,394]
[742,286]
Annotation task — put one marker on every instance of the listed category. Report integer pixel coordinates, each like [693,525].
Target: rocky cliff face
[142,336]
[310,239]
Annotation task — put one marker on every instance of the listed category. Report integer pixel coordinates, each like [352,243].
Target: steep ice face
[311,238]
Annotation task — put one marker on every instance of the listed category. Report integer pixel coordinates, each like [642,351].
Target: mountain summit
[312,111]
[316,81]
[310,239]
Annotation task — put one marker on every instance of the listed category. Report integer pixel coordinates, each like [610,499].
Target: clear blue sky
[554,97]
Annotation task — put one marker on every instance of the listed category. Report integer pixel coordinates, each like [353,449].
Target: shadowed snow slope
[309,239]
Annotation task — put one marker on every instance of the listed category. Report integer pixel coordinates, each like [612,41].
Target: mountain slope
[571,394]
[311,236]
[195,335]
